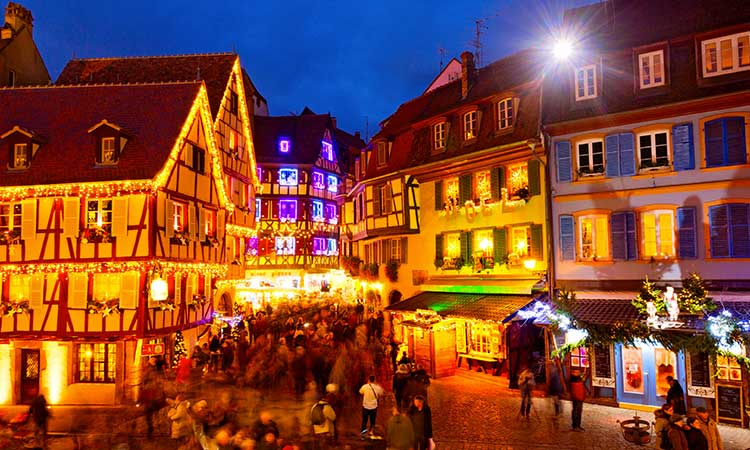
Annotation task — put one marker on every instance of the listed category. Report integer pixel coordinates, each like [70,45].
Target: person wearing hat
[400,380]
[709,429]
[695,438]
[676,432]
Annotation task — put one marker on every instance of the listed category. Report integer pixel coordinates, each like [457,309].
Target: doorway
[29,375]
[644,370]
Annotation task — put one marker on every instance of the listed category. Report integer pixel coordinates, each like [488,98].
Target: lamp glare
[563,49]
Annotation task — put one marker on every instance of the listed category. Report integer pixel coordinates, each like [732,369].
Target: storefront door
[29,375]
[642,373]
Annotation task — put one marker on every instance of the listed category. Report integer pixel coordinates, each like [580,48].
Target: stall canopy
[468,306]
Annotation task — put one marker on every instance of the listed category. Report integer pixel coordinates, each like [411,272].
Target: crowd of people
[676,430]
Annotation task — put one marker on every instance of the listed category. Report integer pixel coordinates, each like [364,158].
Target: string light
[167,267]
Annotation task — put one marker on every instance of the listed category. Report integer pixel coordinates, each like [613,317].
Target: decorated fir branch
[103,307]
[11,307]
[167,305]
[180,350]
[197,300]
[692,298]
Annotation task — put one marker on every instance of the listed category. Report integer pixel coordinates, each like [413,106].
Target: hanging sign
[152,349]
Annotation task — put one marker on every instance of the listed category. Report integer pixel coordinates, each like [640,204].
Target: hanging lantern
[159,289]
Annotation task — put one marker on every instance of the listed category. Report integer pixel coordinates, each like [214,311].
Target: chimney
[468,73]
[333,119]
[357,135]
[16,16]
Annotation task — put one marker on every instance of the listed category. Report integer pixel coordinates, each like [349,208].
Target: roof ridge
[63,86]
[112,58]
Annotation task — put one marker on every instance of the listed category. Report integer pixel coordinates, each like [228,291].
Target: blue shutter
[567,238]
[686,233]
[739,226]
[682,144]
[630,236]
[627,154]
[618,238]
[714,135]
[564,163]
[612,150]
[718,219]
[438,196]
[734,140]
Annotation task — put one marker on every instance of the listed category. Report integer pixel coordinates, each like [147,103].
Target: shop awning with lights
[492,307]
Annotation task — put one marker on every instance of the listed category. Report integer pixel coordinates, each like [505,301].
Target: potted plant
[391,270]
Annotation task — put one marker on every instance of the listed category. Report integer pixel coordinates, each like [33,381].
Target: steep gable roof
[304,131]
[213,69]
[152,114]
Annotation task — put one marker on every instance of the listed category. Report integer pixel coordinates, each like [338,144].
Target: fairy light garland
[167,268]
[239,230]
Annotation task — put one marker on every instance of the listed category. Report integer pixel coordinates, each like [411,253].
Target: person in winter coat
[661,423]
[696,439]
[399,432]
[577,395]
[421,418]
[324,432]
[677,433]
[555,388]
[182,423]
[709,429]
[676,396]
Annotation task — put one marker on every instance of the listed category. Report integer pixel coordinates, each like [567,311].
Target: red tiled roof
[151,114]
[213,69]
[305,132]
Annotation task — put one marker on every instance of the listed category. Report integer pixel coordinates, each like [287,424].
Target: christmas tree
[180,350]
[694,296]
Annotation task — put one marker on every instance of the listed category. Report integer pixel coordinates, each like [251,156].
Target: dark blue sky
[356,60]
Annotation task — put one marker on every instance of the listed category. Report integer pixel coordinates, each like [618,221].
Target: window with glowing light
[505,115]
[653,149]
[317,211]
[20,156]
[728,369]
[327,150]
[590,157]
[726,54]
[483,185]
[579,358]
[106,286]
[518,181]
[658,234]
[593,237]
[452,245]
[451,191]
[19,287]
[210,226]
[288,177]
[332,213]
[470,125]
[285,145]
[96,363]
[99,214]
[180,218]
[318,180]
[287,210]
[520,238]
[333,246]
[109,154]
[651,69]
[333,183]
[258,207]
[10,217]
[483,243]
[439,135]
[285,245]
[585,82]
[320,246]
[480,338]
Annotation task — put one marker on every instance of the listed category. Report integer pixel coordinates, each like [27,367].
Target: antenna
[477,42]
[441,51]
[367,128]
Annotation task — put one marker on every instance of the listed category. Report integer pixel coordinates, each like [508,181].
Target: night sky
[356,60]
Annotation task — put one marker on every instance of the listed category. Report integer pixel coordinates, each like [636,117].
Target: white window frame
[505,114]
[597,255]
[650,62]
[106,286]
[210,225]
[652,138]
[588,87]
[11,219]
[21,155]
[590,150]
[108,150]
[470,125]
[99,221]
[396,249]
[284,181]
[285,245]
[658,239]
[448,250]
[439,135]
[333,183]
[327,150]
[716,43]
[180,217]
[517,235]
[320,183]
[486,238]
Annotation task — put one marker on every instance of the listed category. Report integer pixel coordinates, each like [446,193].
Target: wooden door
[29,375]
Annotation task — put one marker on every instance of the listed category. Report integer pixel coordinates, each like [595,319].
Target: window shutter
[78,286]
[686,233]
[120,216]
[190,288]
[99,150]
[627,154]
[718,218]
[564,163]
[466,246]
[404,249]
[129,290]
[734,138]
[567,238]
[535,182]
[618,236]
[71,216]
[388,206]
[439,195]
[438,246]
[274,209]
[202,224]
[207,288]
[169,217]
[499,245]
[496,175]
[464,189]
[683,156]
[188,149]
[714,134]
[612,151]
[537,239]
[220,224]
[460,336]
[177,289]
[192,221]
[630,236]
[739,225]
[376,200]
[36,291]
[28,219]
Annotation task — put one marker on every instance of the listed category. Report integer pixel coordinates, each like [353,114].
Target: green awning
[469,306]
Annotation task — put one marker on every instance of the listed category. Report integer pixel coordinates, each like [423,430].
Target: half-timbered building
[104,190]
[648,122]
[450,211]
[302,172]
[21,64]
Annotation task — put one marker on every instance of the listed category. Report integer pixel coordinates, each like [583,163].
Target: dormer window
[585,87]
[108,151]
[382,153]
[327,150]
[439,135]
[285,144]
[110,142]
[470,125]
[727,54]
[21,156]
[505,114]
